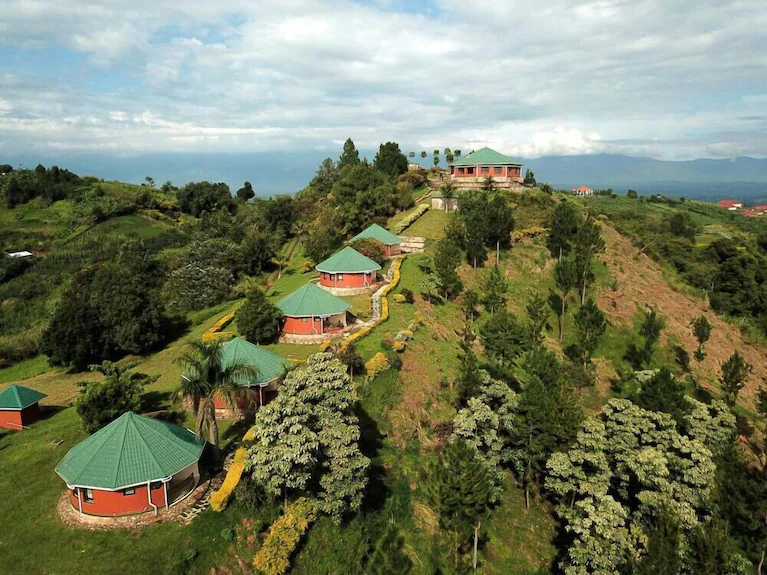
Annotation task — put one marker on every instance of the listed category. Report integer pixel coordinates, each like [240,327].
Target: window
[461,170]
[498,170]
[470,171]
[485,169]
[304,319]
[155,485]
[88,495]
[129,491]
[340,277]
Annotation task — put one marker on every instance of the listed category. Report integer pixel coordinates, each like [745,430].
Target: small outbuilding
[582,191]
[312,311]
[133,465]
[259,388]
[19,406]
[348,272]
[440,202]
[392,243]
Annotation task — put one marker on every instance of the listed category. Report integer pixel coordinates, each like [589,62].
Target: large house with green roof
[258,388]
[391,243]
[347,272]
[311,311]
[19,406]
[478,165]
[133,465]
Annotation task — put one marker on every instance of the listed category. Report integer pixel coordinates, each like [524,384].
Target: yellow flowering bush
[250,435]
[325,345]
[399,298]
[221,497]
[284,535]
[407,333]
[399,345]
[355,336]
[377,364]
[384,309]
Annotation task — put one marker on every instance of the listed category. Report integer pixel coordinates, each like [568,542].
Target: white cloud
[530,78]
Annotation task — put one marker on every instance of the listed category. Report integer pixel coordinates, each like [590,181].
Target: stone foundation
[312,339]
[350,291]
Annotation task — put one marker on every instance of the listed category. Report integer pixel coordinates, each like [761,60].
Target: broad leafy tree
[198,197]
[246,193]
[101,402]
[307,439]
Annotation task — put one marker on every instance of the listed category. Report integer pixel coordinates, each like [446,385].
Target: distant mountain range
[290,171]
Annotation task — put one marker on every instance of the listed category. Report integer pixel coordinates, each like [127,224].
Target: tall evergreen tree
[562,229]
[701,329]
[469,378]
[663,393]
[459,489]
[735,372]
[389,556]
[587,244]
[566,280]
[494,289]
[504,338]
[390,160]
[446,260]
[350,156]
[538,313]
[590,325]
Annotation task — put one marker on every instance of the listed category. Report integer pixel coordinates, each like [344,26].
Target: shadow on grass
[153,401]
[48,411]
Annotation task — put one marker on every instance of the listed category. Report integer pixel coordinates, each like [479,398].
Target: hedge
[408,221]
[215,331]
[220,498]
[284,535]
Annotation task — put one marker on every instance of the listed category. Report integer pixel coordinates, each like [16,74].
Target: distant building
[440,202]
[752,213]
[21,254]
[761,208]
[476,166]
[413,165]
[731,205]
[19,406]
[582,191]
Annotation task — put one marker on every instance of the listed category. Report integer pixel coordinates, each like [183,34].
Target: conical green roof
[310,300]
[270,366]
[133,449]
[348,261]
[484,156]
[19,397]
[376,232]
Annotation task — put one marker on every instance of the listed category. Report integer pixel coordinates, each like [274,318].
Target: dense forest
[504,419]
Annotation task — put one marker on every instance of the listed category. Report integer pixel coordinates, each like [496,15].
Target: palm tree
[205,378]
[448,192]
[282,261]
[488,184]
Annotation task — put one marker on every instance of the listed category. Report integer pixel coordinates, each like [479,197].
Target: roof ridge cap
[149,449]
[107,438]
[122,445]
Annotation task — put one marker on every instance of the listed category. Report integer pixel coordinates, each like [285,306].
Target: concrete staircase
[412,244]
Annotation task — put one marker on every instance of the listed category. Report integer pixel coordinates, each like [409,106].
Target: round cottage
[392,243]
[311,311]
[347,272]
[133,465]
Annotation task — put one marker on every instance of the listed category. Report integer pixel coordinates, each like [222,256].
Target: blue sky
[670,80]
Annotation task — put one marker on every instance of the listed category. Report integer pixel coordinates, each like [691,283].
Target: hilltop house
[19,406]
[470,171]
[731,205]
[311,311]
[392,244]
[133,465]
[347,272]
[582,191]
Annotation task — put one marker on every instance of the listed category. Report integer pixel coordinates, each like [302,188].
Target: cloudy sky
[669,79]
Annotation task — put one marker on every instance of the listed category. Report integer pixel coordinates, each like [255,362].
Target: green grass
[25,369]
[431,225]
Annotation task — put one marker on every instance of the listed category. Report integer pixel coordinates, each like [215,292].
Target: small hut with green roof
[133,465]
[311,311]
[19,406]
[257,389]
[348,272]
[392,243]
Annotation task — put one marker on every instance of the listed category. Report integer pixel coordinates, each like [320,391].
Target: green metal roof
[485,156]
[133,449]
[376,232]
[19,397]
[310,300]
[270,366]
[348,260]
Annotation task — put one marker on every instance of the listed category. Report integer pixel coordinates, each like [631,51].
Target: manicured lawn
[431,225]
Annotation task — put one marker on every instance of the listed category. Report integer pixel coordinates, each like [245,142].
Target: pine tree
[735,372]
[590,324]
[350,155]
[663,393]
[563,227]
[494,288]
[459,489]
[538,313]
[469,379]
[588,243]
[446,260]
[566,280]
[701,329]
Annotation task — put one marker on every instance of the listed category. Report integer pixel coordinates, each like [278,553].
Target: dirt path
[640,283]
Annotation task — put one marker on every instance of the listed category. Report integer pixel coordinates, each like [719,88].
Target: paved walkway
[378,294]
